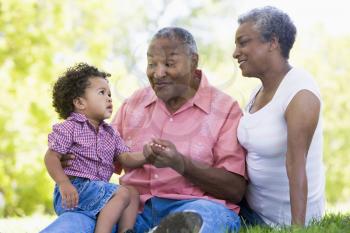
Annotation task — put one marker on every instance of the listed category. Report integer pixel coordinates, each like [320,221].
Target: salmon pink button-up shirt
[204,129]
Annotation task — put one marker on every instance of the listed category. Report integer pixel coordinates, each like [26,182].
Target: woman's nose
[235,53]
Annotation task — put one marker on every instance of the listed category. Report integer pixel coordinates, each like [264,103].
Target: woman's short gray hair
[271,22]
[179,34]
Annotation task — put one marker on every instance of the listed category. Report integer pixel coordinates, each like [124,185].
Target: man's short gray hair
[271,22]
[179,34]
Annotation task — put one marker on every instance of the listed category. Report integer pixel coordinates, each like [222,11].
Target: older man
[200,173]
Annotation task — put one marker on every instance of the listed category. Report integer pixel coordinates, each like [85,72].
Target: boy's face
[97,101]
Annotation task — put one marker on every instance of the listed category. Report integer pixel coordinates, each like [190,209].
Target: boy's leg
[71,222]
[112,211]
[129,214]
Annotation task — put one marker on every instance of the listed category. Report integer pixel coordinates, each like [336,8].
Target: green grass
[332,223]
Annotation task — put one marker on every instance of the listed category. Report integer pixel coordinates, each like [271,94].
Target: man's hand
[66,160]
[166,154]
[69,193]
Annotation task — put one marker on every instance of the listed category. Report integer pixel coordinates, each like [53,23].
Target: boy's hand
[69,193]
[148,153]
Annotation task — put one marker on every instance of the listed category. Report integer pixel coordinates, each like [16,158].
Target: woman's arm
[302,117]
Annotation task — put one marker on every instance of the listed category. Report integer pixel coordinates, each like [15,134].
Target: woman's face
[251,52]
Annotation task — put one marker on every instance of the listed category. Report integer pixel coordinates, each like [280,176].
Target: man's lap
[216,217]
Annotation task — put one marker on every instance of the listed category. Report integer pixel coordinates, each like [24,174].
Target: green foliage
[328,60]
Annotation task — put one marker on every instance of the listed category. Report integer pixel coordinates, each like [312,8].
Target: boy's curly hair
[72,85]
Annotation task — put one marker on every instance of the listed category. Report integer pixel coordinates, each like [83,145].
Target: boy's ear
[79,103]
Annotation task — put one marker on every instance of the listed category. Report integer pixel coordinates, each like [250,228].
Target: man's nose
[160,71]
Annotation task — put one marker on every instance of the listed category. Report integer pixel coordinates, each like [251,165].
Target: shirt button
[156,176]
[171,119]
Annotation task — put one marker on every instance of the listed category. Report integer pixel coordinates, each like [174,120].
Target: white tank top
[264,135]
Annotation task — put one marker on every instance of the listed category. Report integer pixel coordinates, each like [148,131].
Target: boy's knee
[123,194]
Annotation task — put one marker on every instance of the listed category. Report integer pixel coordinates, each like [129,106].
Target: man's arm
[302,117]
[217,182]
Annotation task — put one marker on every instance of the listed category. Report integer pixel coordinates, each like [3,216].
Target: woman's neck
[272,79]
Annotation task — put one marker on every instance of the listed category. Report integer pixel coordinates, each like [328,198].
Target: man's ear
[195,59]
[79,103]
[274,43]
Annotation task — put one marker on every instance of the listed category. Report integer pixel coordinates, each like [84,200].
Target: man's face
[170,68]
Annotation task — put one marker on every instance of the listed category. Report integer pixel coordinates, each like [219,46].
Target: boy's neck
[95,123]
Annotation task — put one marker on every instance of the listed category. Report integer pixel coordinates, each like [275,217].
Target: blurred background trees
[40,39]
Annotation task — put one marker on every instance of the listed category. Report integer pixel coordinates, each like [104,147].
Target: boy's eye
[102,92]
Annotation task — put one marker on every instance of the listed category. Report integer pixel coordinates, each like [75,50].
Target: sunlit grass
[332,223]
[337,220]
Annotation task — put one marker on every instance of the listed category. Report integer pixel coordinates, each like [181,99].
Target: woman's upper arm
[302,115]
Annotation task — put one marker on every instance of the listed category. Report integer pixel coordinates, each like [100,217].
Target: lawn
[332,223]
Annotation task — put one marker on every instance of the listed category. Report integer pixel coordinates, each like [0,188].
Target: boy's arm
[53,166]
[132,159]
[70,197]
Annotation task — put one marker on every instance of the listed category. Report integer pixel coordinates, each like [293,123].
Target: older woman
[282,128]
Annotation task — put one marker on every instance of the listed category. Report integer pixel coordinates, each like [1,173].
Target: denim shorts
[93,196]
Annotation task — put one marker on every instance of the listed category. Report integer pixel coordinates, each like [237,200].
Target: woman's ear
[79,103]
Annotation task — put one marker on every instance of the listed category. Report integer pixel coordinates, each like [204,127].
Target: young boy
[82,97]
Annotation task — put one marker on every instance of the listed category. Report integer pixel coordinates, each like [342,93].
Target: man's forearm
[217,182]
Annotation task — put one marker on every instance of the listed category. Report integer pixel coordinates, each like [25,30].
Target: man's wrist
[180,165]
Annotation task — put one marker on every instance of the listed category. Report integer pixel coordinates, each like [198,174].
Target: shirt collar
[201,99]
[78,117]
[74,116]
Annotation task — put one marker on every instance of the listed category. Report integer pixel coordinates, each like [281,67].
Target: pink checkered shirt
[95,151]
